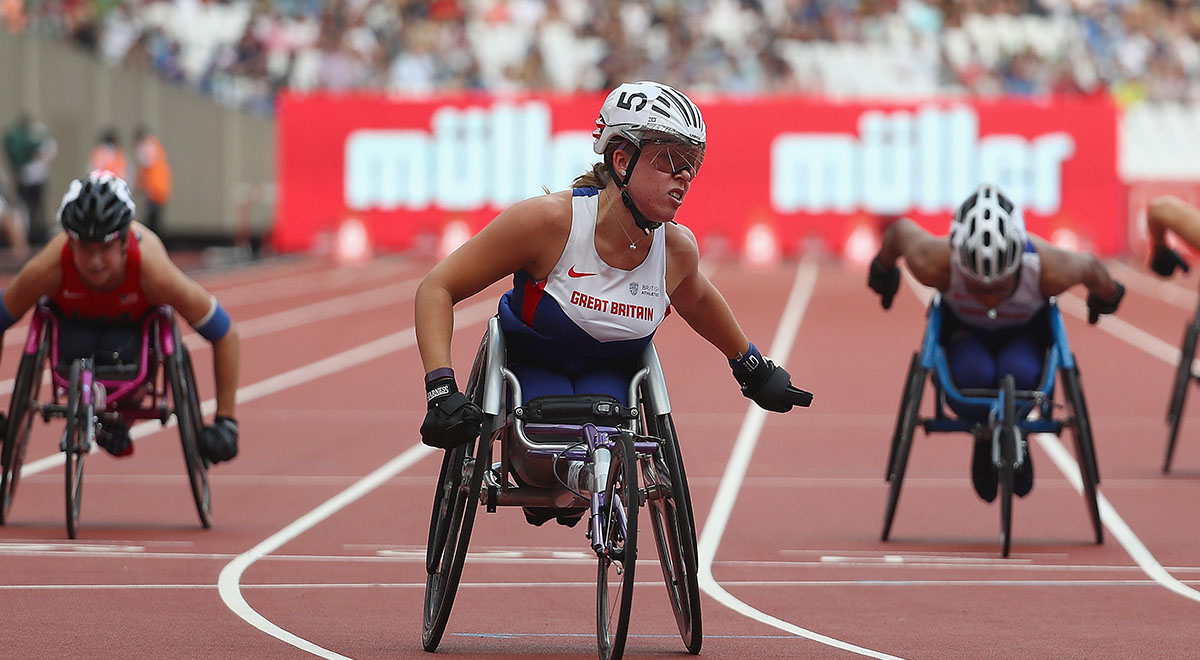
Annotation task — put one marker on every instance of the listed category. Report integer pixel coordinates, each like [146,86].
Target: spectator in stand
[107,154]
[31,150]
[13,223]
[153,176]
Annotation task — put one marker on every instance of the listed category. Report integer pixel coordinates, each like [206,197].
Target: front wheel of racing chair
[1183,377]
[1008,438]
[1081,429]
[670,504]
[185,401]
[22,407]
[902,438]
[78,435]
[618,556]
[454,505]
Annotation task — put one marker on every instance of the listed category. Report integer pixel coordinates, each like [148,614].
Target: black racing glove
[884,281]
[450,419]
[1097,305]
[219,442]
[766,383]
[1165,261]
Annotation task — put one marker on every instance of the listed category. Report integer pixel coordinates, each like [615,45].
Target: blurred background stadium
[415,122]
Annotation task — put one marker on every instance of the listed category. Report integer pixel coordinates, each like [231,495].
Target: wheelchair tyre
[1085,449]
[77,437]
[618,556]
[670,506]
[185,400]
[1010,437]
[454,506]
[906,426]
[22,408]
[1183,376]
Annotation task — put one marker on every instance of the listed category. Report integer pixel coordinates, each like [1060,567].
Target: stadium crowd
[243,52]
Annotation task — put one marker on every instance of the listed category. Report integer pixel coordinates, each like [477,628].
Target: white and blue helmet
[987,237]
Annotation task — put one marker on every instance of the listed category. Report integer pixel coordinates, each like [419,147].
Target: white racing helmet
[633,110]
[987,237]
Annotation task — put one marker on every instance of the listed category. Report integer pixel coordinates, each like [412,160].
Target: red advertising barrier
[807,171]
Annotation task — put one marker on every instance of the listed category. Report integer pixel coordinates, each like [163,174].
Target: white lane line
[590,585]
[1067,464]
[1113,521]
[229,581]
[1154,286]
[298,376]
[739,461]
[285,320]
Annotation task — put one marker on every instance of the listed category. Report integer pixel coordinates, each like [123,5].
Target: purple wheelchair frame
[159,319]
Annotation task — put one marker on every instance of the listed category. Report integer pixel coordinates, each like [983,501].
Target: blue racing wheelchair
[1012,414]
[634,457]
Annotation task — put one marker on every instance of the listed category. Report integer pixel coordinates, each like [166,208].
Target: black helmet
[97,208]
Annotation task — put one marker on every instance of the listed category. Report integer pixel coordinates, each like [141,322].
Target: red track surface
[802,539]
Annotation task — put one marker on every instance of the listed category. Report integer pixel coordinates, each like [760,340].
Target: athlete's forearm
[226,362]
[434,321]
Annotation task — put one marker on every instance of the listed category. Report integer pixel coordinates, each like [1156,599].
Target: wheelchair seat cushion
[576,409]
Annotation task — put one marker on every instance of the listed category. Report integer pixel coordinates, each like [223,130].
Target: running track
[320,524]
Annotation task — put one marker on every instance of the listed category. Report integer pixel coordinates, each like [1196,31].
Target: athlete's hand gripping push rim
[450,418]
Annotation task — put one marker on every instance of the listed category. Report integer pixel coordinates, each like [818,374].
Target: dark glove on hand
[884,281]
[766,383]
[219,442]
[1097,306]
[451,419]
[1166,260]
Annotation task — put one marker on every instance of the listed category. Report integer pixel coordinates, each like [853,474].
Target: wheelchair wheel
[22,407]
[1009,438]
[1183,376]
[670,505]
[454,505]
[906,426]
[617,558]
[77,439]
[185,400]
[1081,428]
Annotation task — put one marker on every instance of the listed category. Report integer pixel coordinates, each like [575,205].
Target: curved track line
[1113,521]
[229,582]
[735,472]
[1135,336]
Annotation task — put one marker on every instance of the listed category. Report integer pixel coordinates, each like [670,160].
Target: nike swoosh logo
[574,273]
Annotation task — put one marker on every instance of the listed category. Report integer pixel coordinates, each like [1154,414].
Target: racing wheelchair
[634,456]
[1012,414]
[1184,374]
[99,389]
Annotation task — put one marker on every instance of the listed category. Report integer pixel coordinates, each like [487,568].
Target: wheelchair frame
[1008,418]
[1184,374]
[90,394]
[646,443]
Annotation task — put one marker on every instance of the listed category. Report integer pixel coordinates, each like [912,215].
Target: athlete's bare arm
[529,235]
[927,256]
[1063,269]
[695,297]
[40,276]
[163,283]
[1171,213]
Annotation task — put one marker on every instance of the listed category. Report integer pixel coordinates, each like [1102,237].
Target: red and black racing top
[124,304]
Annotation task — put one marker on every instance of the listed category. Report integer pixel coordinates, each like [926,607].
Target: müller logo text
[924,160]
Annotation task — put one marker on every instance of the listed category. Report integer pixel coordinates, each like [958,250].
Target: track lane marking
[229,580]
[735,472]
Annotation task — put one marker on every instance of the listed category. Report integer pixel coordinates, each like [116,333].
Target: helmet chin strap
[645,225]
